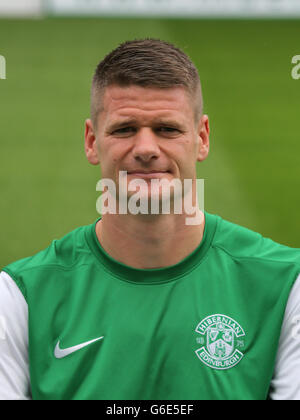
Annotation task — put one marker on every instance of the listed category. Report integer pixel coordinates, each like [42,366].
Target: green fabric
[205,328]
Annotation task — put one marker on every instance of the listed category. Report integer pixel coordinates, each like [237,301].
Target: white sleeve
[14,364]
[285,385]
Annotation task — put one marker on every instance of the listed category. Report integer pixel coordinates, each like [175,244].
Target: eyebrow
[121,124]
[132,121]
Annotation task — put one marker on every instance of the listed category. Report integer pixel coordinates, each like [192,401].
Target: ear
[90,145]
[203,138]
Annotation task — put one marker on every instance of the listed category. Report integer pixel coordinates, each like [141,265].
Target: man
[146,306]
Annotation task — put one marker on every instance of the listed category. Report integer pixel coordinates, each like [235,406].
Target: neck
[149,241]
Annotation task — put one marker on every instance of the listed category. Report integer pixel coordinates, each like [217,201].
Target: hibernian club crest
[222,339]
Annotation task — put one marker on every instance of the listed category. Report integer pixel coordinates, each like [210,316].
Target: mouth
[148,174]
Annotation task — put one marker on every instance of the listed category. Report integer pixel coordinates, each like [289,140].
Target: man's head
[147,63]
[147,114]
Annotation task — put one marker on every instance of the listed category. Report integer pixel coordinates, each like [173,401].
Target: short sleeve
[14,364]
[286,381]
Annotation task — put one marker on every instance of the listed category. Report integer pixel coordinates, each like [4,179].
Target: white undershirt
[14,363]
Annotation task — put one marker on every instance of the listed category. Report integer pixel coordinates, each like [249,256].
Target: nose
[145,146]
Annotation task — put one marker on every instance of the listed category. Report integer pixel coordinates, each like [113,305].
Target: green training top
[205,328]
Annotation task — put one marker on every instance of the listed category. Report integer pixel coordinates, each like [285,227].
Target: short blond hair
[149,63]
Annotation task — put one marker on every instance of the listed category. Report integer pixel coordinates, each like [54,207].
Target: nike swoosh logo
[62,353]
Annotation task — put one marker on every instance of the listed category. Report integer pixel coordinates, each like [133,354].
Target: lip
[151,174]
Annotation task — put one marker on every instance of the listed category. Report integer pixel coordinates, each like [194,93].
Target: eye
[124,131]
[168,130]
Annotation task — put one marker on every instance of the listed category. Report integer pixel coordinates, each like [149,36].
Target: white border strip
[176,8]
[21,8]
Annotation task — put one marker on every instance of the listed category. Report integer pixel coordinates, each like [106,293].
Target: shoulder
[245,244]
[61,254]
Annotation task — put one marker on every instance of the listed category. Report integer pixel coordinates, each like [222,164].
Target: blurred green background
[252,174]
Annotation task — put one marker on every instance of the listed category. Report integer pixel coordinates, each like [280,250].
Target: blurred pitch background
[252,174]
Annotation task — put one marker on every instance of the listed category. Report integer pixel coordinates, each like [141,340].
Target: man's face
[149,132]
